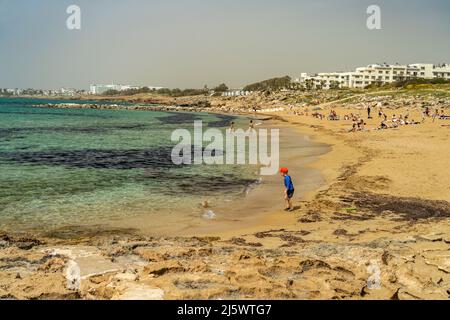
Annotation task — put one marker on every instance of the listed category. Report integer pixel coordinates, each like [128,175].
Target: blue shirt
[288,183]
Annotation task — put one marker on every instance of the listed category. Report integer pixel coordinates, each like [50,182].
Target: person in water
[232,128]
[289,188]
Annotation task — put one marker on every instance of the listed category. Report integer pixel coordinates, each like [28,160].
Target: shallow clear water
[61,167]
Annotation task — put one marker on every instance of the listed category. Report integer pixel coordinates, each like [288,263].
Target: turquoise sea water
[65,167]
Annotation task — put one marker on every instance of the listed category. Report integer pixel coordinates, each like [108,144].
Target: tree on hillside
[221,88]
[334,84]
[270,84]
[309,83]
[322,84]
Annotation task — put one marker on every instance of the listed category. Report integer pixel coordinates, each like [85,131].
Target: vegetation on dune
[418,82]
[411,83]
[270,84]
[221,88]
[185,92]
[128,92]
[169,92]
[165,91]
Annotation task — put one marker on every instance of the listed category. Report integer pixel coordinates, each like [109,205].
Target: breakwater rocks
[195,107]
[204,106]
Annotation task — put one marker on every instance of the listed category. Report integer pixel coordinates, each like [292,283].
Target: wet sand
[256,207]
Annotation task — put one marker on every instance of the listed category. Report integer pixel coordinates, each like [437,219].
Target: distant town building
[236,93]
[102,88]
[15,92]
[375,74]
[41,92]
[68,92]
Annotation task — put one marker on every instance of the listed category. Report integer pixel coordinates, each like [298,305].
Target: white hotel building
[102,88]
[377,73]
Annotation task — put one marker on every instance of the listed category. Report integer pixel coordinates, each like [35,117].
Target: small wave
[252,186]
[209,215]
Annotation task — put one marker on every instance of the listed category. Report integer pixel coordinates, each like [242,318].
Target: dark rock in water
[156,163]
[179,118]
[14,131]
[159,158]
[96,158]
[189,118]
[223,122]
[56,114]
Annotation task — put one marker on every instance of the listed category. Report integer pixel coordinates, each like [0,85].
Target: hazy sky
[190,43]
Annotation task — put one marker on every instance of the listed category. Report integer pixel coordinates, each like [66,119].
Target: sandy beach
[371,222]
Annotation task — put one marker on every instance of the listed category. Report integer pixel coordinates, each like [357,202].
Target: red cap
[284,170]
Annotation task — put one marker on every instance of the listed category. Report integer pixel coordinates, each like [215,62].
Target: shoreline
[230,221]
[260,207]
[308,179]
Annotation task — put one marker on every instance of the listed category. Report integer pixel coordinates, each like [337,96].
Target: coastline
[255,210]
[261,207]
[249,212]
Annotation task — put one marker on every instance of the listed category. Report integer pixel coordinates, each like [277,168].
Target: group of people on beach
[403,120]
[436,114]
[386,122]
[358,124]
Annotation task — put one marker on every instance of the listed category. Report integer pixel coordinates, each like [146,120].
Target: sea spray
[209,215]
[252,186]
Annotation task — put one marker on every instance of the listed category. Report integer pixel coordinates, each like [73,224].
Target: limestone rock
[432,237]
[161,268]
[140,292]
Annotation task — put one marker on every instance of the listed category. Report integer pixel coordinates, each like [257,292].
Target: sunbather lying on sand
[443,116]
[333,116]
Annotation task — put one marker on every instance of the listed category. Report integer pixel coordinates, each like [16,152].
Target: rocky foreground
[342,244]
[405,266]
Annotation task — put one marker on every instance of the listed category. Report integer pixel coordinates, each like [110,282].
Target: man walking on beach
[289,189]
